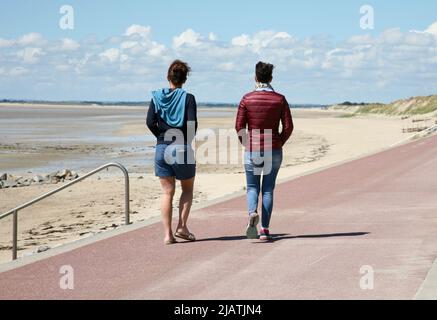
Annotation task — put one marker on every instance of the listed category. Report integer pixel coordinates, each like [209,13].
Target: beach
[40,139]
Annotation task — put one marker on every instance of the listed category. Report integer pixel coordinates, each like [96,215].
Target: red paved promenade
[379,211]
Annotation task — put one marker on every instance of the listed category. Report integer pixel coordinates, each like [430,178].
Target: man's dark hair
[264,72]
[178,72]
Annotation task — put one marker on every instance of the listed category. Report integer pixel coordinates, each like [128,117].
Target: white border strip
[428,289]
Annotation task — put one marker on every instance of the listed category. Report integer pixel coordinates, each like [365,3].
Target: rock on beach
[10,181]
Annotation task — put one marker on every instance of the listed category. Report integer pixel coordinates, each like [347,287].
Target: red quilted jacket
[259,111]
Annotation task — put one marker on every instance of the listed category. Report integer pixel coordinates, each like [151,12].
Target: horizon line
[132,102]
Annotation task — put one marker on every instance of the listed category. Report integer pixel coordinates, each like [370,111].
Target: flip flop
[169,242]
[188,237]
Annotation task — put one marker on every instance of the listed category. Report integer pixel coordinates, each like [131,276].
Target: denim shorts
[175,161]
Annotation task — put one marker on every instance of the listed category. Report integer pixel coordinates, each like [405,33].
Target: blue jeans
[266,165]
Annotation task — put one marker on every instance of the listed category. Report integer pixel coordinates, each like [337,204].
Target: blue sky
[321,53]
[227,18]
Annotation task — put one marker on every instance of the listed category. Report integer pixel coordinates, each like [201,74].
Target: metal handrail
[14,211]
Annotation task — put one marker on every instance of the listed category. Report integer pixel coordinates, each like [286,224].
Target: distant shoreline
[132,104]
[101,103]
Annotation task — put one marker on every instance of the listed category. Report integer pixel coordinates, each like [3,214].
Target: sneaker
[264,235]
[251,230]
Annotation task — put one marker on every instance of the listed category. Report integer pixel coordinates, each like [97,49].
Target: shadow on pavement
[277,237]
[224,238]
[285,236]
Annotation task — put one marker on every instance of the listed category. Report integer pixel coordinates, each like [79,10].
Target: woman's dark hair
[178,72]
[264,72]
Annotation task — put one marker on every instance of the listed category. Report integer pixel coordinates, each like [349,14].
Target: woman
[172,118]
[259,114]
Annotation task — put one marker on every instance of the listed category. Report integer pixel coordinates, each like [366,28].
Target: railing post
[126,198]
[14,235]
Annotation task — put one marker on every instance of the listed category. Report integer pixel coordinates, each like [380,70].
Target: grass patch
[416,106]
[347,115]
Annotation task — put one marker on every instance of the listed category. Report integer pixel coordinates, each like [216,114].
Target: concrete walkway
[377,215]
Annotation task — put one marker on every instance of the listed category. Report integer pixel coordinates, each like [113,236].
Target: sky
[323,51]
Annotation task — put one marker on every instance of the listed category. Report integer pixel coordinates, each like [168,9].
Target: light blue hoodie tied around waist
[170,105]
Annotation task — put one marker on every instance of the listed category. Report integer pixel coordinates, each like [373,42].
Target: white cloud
[282,35]
[392,36]
[13,72]
[31,39]
[418,39]
[432,29]
[63,67]
[264,39]
[69,45]
[226,66]
[361,39]
[30,55]
[157,50]
[212,36]
[111,54]
[137,43]
[81,64]
[393,58]
[187,38]
[4,43]
[124,58]
[128,44]
[136,29]
[18,71]
[242,40]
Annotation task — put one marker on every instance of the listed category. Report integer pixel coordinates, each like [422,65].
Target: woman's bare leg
[185,203]
[168,189]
